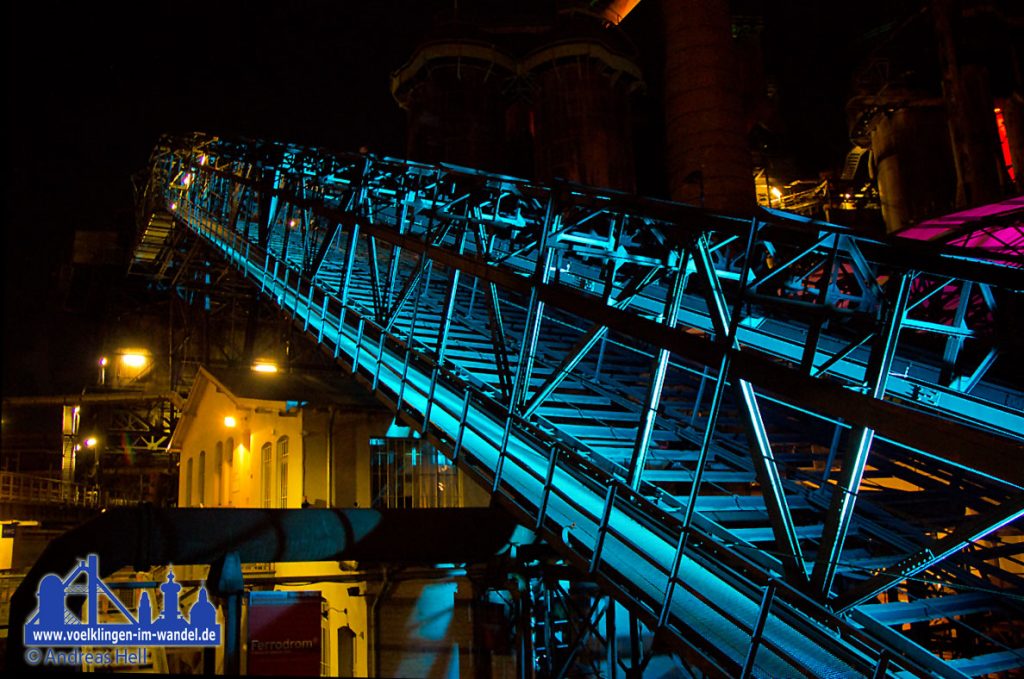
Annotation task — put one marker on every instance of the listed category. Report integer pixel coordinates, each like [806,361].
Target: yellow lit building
[268,439]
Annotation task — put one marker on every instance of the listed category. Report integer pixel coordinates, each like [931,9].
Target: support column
[524,630]
[786,541]
[69,436]
[649,413]
[844,498]
[954,343]
[225,580]
[535,311]
[611,643]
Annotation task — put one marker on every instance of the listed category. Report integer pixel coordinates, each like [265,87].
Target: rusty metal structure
[936,104]
[543,89]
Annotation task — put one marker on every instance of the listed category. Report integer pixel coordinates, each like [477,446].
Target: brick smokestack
[706,140]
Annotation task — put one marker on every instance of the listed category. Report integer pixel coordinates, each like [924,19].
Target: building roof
[995,228]
[301,388]
[282,390]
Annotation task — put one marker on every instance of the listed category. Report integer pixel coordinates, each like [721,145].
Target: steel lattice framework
[784,445]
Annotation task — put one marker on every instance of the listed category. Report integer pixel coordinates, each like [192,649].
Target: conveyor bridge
[791,449]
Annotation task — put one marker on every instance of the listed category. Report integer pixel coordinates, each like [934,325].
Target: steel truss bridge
[786,447]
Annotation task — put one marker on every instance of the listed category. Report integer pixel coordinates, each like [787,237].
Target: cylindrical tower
[455,93]
[581,113]
[913,163]
[706,141]
[544,91]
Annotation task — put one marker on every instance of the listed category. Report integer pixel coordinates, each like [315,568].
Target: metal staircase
[785,446]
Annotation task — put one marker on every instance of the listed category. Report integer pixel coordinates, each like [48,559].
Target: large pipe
[145,536]
[707,150]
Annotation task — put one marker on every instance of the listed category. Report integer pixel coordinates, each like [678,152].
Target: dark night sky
[90,86]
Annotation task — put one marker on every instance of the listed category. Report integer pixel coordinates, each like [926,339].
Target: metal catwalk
[785,446]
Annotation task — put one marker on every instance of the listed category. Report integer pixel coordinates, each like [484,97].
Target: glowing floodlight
[134,360]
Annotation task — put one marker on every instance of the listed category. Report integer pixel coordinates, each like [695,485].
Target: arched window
[201,481]
[188,482]
[282,467]
[218,474]
[265,471]
[230,474]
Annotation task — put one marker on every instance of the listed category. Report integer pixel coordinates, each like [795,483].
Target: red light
[1004,141]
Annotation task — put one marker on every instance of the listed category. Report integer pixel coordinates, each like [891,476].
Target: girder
[618,370]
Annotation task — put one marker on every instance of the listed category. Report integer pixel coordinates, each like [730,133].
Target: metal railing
[371,258]
[34,489]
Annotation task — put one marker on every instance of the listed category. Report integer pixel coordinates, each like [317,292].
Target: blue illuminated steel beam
[837,402]
[406,292]
[584,345]
[664,559]
[765,465]
[499,341]
[844,498]
[786,539]
[535,313]
[531,336]
[824,298]
[376,284]
[962,536]
[758,631]
[695,484]
[968,382]
[479,435]
[321,252]
[649,411]
[396,252]
[954,343]
[348,267]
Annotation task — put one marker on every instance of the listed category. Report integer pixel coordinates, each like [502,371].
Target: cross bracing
[779,442]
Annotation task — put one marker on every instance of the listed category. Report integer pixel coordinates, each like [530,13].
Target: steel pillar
[844,498]
[649,412]
[787,544]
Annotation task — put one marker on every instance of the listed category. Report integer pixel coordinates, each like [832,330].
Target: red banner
[284,633]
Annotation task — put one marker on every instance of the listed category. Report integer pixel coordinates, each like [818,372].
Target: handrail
[35,489]
[234,195]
